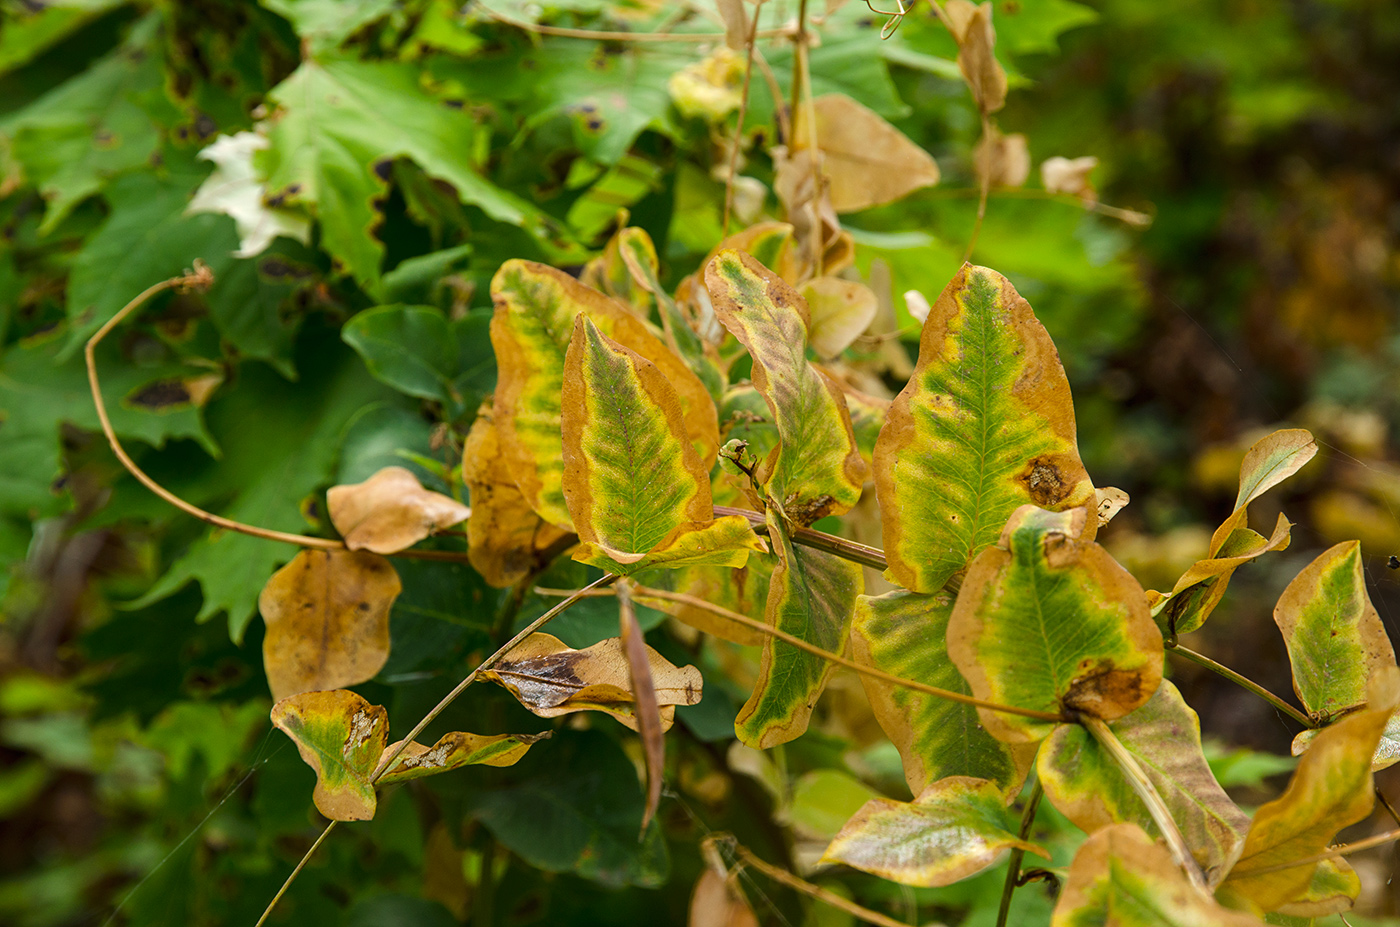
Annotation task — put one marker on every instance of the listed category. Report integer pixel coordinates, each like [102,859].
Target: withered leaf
[390,511]
[646,711]
[972,27]
[1005,160]
[867,161]
[1069,175]
[327,615]
[839,311]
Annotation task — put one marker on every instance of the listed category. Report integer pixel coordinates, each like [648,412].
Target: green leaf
[985,424]
[411,348]
[1032,28]
[1164,736]
[1331,789]
[811,596]
[531,330]
[823,800]
[575,808]
[324,24]
[637,492]
[1048,621]
[1121,878]
[31,30]
[340,736]
[816,470]
[338,120]
[74,139]
[905,634]
[1334,636]
[954,829]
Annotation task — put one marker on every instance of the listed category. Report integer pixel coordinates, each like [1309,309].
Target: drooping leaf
[1331,789]
[1049,621]
[840,311]
[1334,635]
[327,615]
[1121,878]
[645,711]
[1201,587]
[972,24]
[905,634]
[336,120]
[455,750]
[340,736]
[390,511]
[816,469]
[985,424]
[1164,736]
[505,538]
[867,161]
[637,492]
[531,330]
[811,595]
[716,902]
[954,829]
[551,679]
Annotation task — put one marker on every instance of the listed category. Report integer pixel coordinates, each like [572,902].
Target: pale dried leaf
[840,310]
[976,58]
[716,903]
[1111,501]
[867,161]
[327,615]
[647,712]
[390,511]
[1070,175]
[917,304]
[1004,159]
[736,24]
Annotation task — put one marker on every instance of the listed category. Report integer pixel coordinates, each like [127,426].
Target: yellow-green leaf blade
[725,542]
[1201,587]
[1333,889]
[905,634]
[1335,638]
[1120,878]
[817,469]
[1164,736]
[455,750]
[1272,460]
[1331,788]
[985,425]
[954,829]
[341,737]
[811,595]
[1048,621]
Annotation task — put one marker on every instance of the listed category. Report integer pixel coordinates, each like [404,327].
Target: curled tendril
[895,17]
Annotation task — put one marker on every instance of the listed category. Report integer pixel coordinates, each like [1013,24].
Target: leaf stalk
[1244,683]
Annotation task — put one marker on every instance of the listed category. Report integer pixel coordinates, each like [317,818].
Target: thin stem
[1127,216]
[646,592]
[1140,784]
[1013,871]
[802,97]
[746,858]
[486,664]
[1385,803]
[1244,683]
[306,858]
[1344,849]
[854,551]
[743,111]
[603,36]
[985,187]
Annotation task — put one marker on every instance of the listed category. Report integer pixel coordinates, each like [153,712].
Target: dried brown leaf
[1004,159]
[867,161]
[647,712]
[717,903]
[390,511]
[976,58]
[1070,175]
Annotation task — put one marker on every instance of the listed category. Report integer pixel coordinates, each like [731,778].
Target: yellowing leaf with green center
[1333,889]
[816,469]
[1270,461]
[390,511]
[1331,789]
[1164,736]
[954,829]
[1049,621]
[1120,878]
[340,736]
[455,750]
[811,595]
[637,492]
[506,539]
[530,331]
[1387,748]
[1334,636]
[551,679]
[904,634]
[609,273]
[985,425]
[327,615]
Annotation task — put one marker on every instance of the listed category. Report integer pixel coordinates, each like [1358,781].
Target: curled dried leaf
[1070,175]
[972,27]
[390,511]
[1003,160]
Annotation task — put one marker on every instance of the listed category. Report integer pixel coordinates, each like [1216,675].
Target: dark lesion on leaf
[1045,483]
[543,682]
[160,395]
[1102,690]
[804,512]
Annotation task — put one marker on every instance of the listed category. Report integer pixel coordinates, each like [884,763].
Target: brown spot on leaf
[159,395]
[1045,483]
[1104,691]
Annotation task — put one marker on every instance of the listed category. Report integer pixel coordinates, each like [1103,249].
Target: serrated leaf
[1048,621]
[327,615]
[954,829]
[336,120]
[1331,789]
[637,492]
[816,470]
[531,330]
[340,736]
[551,679]
[390,511]
[985,424]
[505,538]
[455,750]
[1335,637]
[1120,878]
[905,634]
[811,595]
[1087,786]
